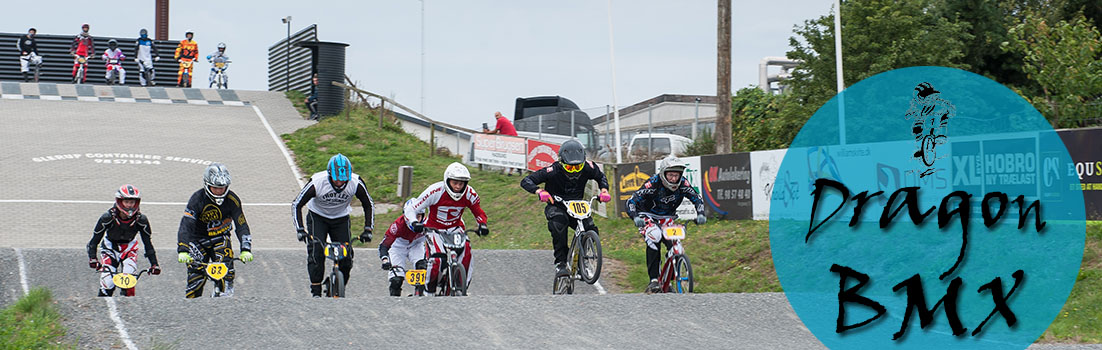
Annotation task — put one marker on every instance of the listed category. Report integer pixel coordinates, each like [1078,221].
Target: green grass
[727,256]
[32,323]
[1081,318]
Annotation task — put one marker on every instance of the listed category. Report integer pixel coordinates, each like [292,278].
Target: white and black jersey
[322,199]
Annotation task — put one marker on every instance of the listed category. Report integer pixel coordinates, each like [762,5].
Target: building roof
[705,99]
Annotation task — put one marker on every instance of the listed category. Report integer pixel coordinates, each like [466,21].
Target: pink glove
[544,196]
[604,197]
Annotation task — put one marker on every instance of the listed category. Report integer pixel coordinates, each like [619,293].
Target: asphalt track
[50,210]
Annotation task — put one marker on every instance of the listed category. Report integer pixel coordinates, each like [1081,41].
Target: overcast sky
[479,55]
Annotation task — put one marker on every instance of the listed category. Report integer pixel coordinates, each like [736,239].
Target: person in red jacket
[504,126]
[82,46]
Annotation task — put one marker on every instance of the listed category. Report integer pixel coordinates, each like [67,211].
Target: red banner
[541,154]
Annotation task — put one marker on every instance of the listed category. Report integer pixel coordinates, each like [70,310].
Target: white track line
[22,271]
[600,289]
[61,201]
[118,323]
[282,148]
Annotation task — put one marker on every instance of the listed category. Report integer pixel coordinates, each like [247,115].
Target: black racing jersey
[27,44]
[557,182]
[656,199]
[122,233]
[203,219]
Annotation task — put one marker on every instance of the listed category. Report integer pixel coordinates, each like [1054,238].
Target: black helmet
[572,153]
[112,43]
[143,33]
[189,33]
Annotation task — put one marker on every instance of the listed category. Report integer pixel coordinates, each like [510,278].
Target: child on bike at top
[566,179]
[660,196]
[122,225]
[328,198]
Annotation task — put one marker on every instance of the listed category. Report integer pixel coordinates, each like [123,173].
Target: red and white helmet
[127,191]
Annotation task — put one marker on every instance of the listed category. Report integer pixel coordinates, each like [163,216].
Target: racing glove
[544,196]
[94,264]
[366,235]
[302,235]
[246,256]
[639,222]
[184,258]
[604,196]
[417,227]
[482,230]
[386,263]
[700,219]
[155,269]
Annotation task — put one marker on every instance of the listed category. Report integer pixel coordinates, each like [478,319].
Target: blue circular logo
[929,207]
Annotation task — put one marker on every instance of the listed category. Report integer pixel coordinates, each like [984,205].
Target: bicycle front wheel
[591,258]
[458,281]
[336,280]
[682,281]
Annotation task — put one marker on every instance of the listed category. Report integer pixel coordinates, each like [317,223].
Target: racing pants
[436,264]
[210,249]
[652,234]
[182,69]
[28,60]
[118,258]
[77,64]
[337,230]
[557,223]
[143,66]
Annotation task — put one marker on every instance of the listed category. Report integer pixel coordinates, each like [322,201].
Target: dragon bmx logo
[930,115]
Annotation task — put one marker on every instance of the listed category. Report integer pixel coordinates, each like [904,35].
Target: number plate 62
[217,270]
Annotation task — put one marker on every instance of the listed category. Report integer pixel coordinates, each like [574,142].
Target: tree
[878,36]
[1063,58]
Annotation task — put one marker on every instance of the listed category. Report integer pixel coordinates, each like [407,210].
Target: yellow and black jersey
[203,218]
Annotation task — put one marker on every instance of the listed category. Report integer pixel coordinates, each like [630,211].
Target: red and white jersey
[444,212]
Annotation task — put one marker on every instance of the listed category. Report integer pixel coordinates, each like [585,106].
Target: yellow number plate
[675,232]
[416,277]
[217,270]
[124,280]
[579,208]
[219,64]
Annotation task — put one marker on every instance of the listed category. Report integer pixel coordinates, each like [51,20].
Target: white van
[663,144]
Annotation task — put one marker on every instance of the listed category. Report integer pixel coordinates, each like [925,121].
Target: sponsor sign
[1085,147]
[499,150]
[541,154]
[726,185]
[629,177]
[764,166]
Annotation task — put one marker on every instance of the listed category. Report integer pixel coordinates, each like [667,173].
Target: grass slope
[32,323]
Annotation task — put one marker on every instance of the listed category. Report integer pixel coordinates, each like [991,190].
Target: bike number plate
[217,270]
[336,250]
[578,208]
[219,64]
[674,232]
[416,277]
[124,280]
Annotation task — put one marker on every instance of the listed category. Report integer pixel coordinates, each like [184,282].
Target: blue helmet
[339,168]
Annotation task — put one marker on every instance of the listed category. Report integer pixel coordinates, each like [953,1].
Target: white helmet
[671,163]
[456,171]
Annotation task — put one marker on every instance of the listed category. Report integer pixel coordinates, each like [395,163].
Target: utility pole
[723,79]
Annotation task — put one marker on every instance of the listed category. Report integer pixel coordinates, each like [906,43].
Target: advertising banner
[498,150]
[763,175]
[541,154]
[726,186]
[1085,147]
[629,177]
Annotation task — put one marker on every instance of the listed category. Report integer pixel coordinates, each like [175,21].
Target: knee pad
[421,264]
[555,226]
